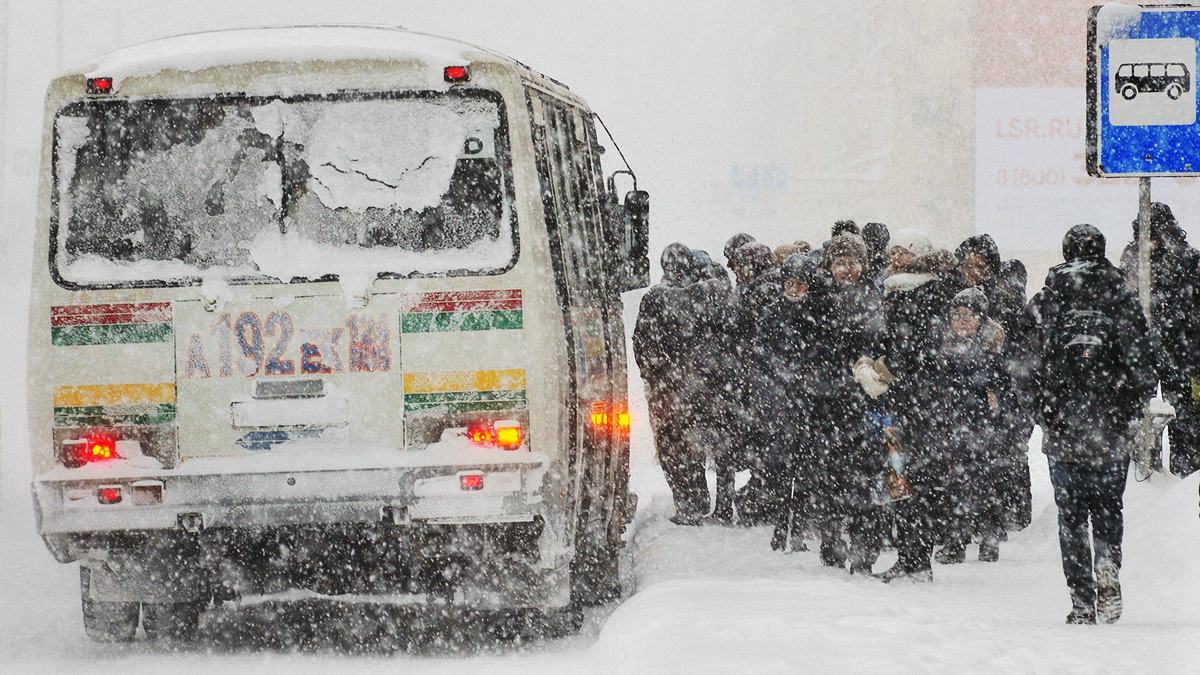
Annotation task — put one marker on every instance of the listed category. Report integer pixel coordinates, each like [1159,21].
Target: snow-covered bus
[332,309]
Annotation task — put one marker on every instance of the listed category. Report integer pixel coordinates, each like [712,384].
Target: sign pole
[1144,247]
[1149,450]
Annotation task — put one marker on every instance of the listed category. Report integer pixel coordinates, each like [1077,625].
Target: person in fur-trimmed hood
[971,392]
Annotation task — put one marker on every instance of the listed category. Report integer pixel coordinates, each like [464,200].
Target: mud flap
[149,573]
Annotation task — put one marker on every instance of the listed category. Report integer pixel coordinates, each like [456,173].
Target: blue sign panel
[1142,98]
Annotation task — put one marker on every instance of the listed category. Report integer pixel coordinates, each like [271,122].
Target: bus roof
[291,44]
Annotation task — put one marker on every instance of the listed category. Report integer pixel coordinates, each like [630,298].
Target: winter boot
[779,539]
[951,554]
[904,571]
[860,567]
[832,552]
[685,519]
[1108,592]
[989,549]
[1081,613]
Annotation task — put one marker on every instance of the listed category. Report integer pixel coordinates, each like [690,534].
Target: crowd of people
[882,390]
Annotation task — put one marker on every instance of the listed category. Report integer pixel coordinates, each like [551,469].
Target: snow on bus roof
[294,44]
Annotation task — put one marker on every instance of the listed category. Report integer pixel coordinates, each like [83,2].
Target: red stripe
[427,307]
[84,315]
[465,300]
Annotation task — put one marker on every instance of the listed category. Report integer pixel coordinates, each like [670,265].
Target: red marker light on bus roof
[470,481]
[100,85]
[457,74]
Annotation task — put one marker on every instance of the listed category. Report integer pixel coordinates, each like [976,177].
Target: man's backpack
[1083,351]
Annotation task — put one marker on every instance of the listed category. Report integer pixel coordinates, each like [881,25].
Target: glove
[866,376]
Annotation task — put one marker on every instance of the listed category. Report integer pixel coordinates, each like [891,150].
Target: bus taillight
[503,434]
[623,422]
[95,448]
[508,437]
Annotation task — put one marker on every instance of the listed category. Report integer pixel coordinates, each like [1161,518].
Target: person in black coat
[790,333]
[981,267]
[849,330]
[972,392]
[1093,378]
[663,343]
[1016,489]
[716,413]
[1175,322]
[759,289]
[916,294]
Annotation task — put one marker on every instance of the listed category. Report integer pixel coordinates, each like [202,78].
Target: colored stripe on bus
[448,322]
[83,315]
[444,312]
[114,415]
[513,399]
[114,394]
[463,381]
[83,336]
[125,323]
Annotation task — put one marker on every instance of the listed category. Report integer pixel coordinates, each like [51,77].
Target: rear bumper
[400,487]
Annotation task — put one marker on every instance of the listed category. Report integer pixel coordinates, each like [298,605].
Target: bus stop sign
[1141,89]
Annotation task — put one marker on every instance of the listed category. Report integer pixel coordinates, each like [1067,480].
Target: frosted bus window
[170,191]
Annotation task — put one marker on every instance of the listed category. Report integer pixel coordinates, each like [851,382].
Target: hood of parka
[1083,243]
[678,265]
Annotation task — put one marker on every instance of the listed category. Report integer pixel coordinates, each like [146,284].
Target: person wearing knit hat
[850,327]
[846,256]
[877,239]
[735,242]
[973,389]
[974,300]
[800,272]
[906,245]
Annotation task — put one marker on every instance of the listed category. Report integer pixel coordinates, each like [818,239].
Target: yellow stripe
[467,380]
[111,394]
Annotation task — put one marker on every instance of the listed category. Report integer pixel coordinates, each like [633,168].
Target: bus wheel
[170,620]
[1128,92]
[1174,91]
[106,621]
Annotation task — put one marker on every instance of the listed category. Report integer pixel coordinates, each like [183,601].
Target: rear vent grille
[306,388]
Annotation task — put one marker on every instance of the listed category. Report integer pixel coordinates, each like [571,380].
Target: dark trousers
[925,516]
[1083,492]
[1185,437]
[682,464]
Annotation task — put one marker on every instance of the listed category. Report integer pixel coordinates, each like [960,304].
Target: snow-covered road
[703,600]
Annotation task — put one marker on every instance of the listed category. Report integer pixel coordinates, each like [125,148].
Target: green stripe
[466,407]
[464,401]
[466,396]
[76,416]
[124,333]
[447,322]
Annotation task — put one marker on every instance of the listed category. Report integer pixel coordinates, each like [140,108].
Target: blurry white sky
[774,117]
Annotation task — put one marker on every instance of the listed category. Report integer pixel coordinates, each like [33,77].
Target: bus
[333,310]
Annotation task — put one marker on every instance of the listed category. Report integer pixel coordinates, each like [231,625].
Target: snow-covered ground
[700,600]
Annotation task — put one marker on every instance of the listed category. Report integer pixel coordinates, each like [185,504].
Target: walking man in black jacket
[1094,377]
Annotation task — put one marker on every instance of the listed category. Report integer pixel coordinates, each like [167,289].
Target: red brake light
[109,495]
[470,481]
[99,85]
[503,434]
[480,435]
[96,448]
[457,74]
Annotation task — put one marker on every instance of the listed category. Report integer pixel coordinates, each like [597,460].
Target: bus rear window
[173,191]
